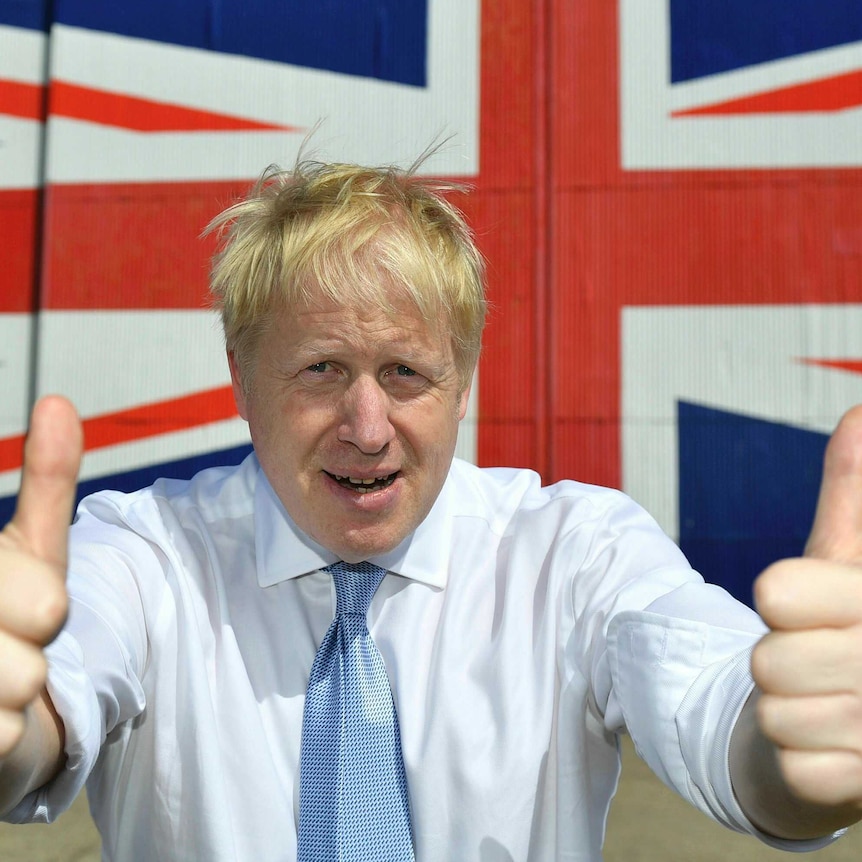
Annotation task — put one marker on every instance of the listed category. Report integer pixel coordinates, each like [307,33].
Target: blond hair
[347,233]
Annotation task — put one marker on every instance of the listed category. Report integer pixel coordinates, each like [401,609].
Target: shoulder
[510,493]
[212,495]
[574,520]
[586,536]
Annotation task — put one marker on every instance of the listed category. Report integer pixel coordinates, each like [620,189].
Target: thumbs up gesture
[809,667]
[33,545]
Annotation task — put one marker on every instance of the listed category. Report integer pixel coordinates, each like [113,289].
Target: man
[521,628]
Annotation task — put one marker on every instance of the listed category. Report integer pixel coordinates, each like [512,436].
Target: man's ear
[236,384]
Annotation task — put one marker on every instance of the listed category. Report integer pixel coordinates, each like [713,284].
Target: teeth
[354,481]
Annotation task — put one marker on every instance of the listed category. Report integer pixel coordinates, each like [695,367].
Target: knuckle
[50,611]
[766,714]
[769,592]
[31,679]
[21,685]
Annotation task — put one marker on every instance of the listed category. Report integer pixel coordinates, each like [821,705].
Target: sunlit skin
[342,393]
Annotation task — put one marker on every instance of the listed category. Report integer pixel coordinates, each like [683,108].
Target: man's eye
[404,371]
[318,367]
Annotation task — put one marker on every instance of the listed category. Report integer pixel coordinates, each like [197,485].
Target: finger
[812,723]
[52,458]
[828,778]
[23,671]
[806,593]
[35,602]
[810,662]
[837,530]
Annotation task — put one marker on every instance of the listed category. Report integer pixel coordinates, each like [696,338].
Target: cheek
[267,434]
[289,439]
[435,442]
[259,427]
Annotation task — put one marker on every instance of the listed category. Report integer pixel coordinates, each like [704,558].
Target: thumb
[837,531]
[52,458]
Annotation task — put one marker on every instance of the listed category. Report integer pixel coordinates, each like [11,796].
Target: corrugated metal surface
[645,182]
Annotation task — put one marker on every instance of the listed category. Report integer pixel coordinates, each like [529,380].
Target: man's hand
[809,667]
[33,548]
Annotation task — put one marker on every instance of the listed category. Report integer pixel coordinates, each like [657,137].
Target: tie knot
[355,585]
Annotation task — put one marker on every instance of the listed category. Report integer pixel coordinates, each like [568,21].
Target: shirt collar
[284,551]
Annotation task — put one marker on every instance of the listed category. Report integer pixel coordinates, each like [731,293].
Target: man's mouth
[364,486]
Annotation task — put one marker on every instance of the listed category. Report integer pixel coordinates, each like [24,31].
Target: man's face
[354,415]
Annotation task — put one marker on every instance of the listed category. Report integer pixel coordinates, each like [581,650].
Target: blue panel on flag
[134,480]
[747,493]
[32,14]
[711,36]
[384,39]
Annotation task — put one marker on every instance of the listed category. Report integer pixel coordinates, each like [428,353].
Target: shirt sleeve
[96,663]
[680,676]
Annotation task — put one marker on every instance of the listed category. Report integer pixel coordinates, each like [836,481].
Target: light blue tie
[353,802]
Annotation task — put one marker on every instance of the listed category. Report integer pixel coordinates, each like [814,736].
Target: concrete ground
[648,824]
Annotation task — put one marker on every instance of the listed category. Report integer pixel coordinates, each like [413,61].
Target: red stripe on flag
[18,99]
[138,423]
[101,261]
[852,365]
[11,452]
[827,95]
[145,115]
[19,219]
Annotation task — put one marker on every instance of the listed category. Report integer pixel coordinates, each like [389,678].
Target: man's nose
[365,416]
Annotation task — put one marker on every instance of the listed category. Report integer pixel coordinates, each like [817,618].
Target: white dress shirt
[522,628]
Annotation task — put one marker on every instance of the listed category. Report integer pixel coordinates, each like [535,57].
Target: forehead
[358,322]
